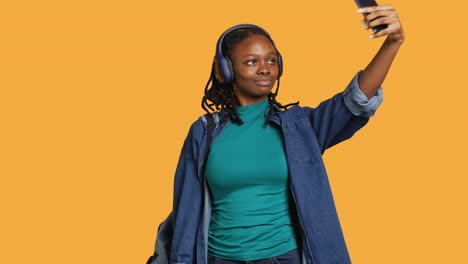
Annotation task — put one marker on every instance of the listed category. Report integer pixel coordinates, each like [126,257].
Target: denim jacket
[307,132]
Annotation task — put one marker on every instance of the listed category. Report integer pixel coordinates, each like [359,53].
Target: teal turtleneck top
[247,173]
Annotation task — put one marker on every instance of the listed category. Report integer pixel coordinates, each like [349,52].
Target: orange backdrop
[96,98]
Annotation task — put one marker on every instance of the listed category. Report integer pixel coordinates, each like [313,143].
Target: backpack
[162,249]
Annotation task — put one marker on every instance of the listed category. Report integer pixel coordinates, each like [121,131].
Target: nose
[264,69]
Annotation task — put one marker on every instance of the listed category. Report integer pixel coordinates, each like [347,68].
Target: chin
[264,90]
[267,92]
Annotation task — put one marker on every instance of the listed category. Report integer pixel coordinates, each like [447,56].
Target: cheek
[275,69]
[245,73]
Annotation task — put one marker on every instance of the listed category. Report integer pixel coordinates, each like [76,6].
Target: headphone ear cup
[280,63]
[218,71]
[231,77]
[223,69]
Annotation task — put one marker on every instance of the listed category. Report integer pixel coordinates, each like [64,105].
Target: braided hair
[222,96]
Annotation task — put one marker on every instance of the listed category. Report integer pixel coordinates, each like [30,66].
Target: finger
[370,9]
[383,32]
[379,13]
[381,21]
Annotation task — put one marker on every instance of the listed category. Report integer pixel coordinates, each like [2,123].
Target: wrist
[394,42]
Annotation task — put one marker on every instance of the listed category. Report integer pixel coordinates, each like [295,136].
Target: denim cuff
[357,101]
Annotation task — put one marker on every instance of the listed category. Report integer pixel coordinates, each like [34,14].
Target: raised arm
[373,76]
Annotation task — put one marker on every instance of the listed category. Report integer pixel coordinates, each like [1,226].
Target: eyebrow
[272,52]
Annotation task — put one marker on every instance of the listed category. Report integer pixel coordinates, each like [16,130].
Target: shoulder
[194,139]
[336,102]
[296,112]
[197,128]
[200,126]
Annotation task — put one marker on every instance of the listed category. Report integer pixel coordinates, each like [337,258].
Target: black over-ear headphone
[224,72]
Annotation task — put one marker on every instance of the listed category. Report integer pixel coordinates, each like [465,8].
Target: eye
[250,62]
[272,61]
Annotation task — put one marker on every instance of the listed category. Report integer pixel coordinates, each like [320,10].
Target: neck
[248,101]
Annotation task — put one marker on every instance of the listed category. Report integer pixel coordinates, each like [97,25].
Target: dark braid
[222,96]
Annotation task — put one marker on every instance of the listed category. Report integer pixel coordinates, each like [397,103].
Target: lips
[264,82]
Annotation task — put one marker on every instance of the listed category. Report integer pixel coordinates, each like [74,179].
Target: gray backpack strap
[211,124]
[211,121]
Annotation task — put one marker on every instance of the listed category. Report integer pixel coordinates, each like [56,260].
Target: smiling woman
[246,67]
[255,68]
[250,184]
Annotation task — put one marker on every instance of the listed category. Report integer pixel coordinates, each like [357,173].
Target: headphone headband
[223,68]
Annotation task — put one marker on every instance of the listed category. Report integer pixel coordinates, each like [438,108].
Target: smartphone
[364,3]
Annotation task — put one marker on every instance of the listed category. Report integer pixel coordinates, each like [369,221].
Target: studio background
[96,98]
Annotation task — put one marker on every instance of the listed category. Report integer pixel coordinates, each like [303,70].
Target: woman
[262,194]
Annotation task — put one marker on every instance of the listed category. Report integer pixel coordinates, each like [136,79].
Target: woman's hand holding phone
[383,15]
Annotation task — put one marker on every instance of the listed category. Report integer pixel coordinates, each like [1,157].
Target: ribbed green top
[248,175]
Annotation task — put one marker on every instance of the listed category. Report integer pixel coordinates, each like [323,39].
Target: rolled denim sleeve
[356,101]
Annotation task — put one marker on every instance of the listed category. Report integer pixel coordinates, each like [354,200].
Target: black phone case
[364,3]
